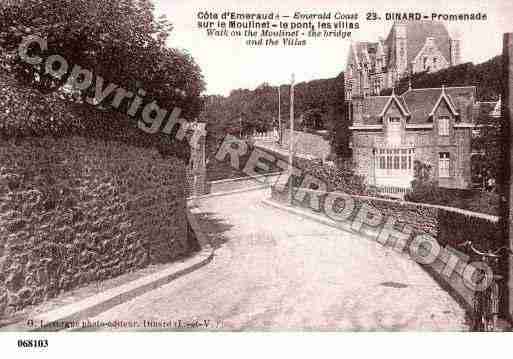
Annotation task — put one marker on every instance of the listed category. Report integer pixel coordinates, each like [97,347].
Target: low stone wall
[308,144]
[424,218]
[75,210]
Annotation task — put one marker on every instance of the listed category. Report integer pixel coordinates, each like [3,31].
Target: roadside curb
[89,307]
[311,216]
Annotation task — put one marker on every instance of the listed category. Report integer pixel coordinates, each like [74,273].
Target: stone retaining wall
[74,211]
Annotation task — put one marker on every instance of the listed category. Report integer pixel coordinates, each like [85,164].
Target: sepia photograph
[301,170]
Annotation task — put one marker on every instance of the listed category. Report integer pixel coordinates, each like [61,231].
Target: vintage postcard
[282,166]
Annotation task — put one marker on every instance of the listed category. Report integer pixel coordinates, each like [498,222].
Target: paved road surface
[277,271]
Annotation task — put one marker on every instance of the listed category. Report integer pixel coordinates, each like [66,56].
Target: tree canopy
[120,40]
[318,104]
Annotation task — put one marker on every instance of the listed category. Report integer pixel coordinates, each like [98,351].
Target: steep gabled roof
[422,103]
[374,105]
[444,97]
[372,108]
[417,32]
[352,56]
[398,101]
[360,51]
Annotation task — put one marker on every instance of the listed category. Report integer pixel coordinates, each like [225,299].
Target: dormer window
[444,126]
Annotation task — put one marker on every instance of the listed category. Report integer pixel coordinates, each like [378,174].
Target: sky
[228,64]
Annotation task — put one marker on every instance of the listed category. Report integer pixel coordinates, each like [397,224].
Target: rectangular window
[444,126]
[394,159]
[394,130]
[396,162]
[444,164]
[404,160]
[382,162]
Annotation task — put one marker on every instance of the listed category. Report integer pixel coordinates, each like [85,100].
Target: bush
[471,200]
[220,170]
[424,190]
[455,228]
[338,178]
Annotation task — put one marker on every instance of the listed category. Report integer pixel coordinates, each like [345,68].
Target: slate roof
[372,107]
[398,101]
[417,32]
[364,49]
[419,103]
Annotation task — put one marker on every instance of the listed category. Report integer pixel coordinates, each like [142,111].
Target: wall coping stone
[488,217]
[246,178]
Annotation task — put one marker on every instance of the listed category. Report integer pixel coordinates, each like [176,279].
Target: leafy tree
[318,102]
[487,77]
[120,40]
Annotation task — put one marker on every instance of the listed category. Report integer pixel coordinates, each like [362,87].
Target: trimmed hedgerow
[27,113]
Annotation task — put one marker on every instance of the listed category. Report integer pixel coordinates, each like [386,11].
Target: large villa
[431,125]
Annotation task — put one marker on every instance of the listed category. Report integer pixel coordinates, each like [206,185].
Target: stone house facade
[433,126]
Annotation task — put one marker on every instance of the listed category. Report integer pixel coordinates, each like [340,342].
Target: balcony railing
[392,191]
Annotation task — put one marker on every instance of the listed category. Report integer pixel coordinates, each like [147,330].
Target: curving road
[276,271]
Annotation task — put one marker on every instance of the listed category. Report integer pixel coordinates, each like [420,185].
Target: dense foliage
[426,190]
[487,77]
[340,177]
[318,104]
[220,170]
[119,40]
[455,228]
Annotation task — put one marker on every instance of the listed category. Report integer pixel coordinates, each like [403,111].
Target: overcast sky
[229,64]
